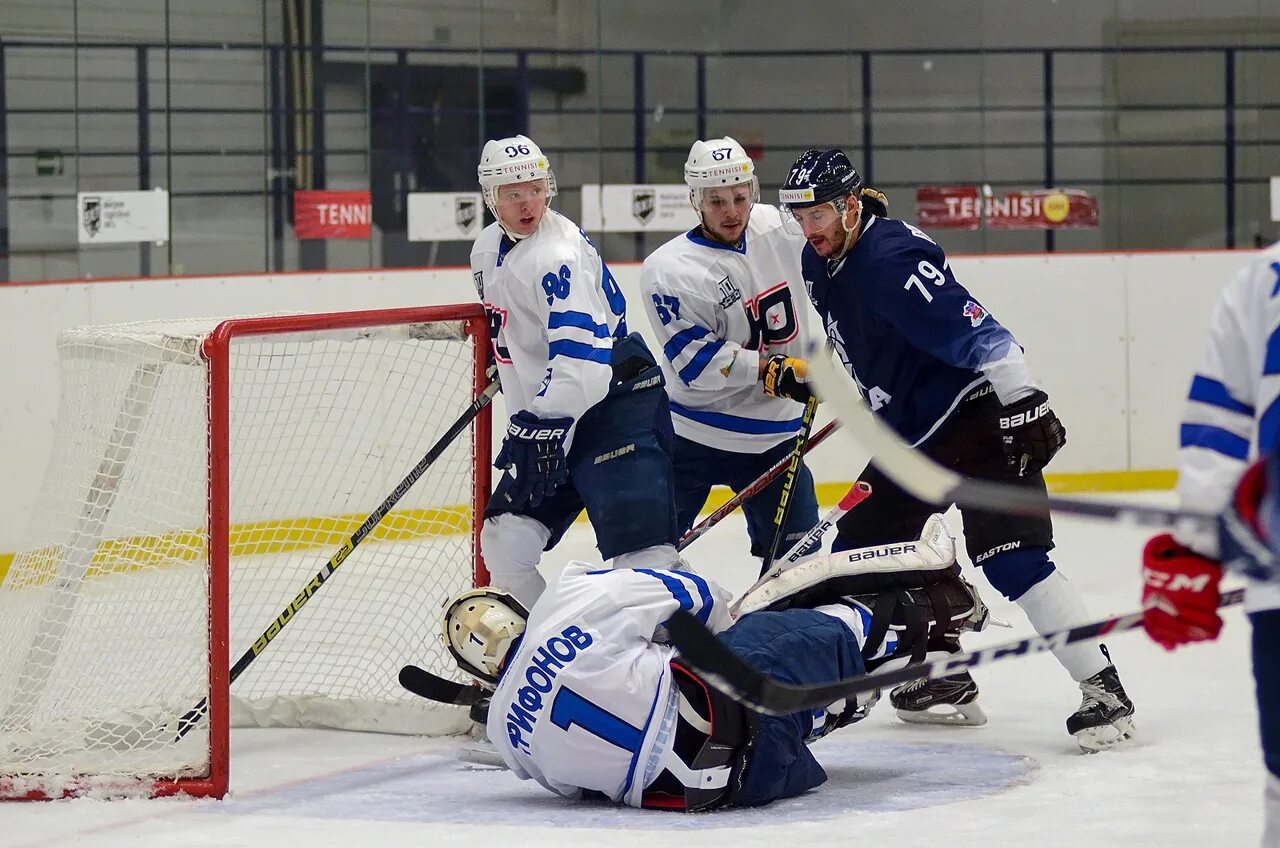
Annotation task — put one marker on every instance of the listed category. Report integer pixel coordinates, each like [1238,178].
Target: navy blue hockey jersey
[915,340]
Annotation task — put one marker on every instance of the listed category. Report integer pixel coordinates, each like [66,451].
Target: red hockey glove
[1179,593]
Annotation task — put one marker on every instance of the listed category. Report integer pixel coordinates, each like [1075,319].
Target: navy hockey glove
[786,377]
[533,457]
[1031,433]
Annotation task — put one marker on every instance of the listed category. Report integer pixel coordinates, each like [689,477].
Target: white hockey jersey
[586,702]
[717,309]
[554,311]
[1233,407]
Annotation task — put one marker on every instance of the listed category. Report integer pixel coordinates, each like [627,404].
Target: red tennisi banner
[964,207]
[332,214]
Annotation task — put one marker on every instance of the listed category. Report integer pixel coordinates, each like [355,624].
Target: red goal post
[140,580]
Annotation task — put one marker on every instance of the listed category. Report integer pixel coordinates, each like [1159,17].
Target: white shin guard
[512,547]
[1054,604]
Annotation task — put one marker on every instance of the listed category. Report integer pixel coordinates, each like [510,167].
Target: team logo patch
[644,202]
[464,213]
[975,313]
[478,277]
[729,293]
[92,215]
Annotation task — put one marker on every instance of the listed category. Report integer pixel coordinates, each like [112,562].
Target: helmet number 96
[514,150]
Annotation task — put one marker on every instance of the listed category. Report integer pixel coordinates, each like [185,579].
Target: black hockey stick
[193,716]
[921,476]
[424,684]
[789,484]
[718,666]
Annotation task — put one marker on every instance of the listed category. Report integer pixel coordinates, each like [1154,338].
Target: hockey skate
[947,700]
[1105,717]
[479,750]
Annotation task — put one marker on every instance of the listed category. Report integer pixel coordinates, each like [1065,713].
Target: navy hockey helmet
[819,176]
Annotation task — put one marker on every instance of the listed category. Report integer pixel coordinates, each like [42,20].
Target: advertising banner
[332,215]
[965,207]
[445,215]
[112,217]
[628,208]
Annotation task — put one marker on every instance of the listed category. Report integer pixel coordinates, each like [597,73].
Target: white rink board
[1113,337]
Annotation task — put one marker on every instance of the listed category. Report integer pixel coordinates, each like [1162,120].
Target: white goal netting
[107,611]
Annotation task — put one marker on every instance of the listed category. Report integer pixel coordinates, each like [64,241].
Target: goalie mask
[480,626]
[515,160]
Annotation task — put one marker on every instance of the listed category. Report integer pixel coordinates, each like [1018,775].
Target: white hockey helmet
[718,162]
[515,159]
[480,626]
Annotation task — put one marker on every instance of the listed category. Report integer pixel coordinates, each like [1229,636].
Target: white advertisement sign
[1275,198]
[637,208]
[112,217]
[445,215]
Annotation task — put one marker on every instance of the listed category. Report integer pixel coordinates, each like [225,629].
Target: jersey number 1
[570,708]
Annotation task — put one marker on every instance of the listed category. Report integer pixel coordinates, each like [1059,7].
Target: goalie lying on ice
[590,702]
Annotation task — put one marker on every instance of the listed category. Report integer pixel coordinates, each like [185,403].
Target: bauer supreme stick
[721,668]
[433,687]
[192,717]
[789,484]
[921,476]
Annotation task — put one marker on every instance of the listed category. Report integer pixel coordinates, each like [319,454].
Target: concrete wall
[1113,338]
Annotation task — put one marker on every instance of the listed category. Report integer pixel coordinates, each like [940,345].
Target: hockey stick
[718,666]
[856,495]
[752,490]
[424,684]
[793,471]
[193,716]
[929,481]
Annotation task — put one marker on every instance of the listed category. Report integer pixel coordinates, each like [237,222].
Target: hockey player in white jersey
[590,424]
[1232,417]
[592,704]
[724,300]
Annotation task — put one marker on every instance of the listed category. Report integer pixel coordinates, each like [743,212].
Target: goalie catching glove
[1031,433]
[533,457]
[786,377]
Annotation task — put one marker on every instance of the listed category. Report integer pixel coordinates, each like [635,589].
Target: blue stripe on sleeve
[1214,393]
[736,423]
[700,361]
[674,585]
[1215,439]
[1269,428]
[677,343]
[578,350]
[703,590]
[580,320]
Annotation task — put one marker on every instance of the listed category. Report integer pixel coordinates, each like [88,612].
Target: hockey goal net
[203,473]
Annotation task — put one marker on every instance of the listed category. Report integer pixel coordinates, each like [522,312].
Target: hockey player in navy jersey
[723,300]
[590,425]
[937,366]
[1232,414]
[591,703]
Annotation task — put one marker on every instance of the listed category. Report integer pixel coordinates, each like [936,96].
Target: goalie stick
[424,684]
[722,669]
[193,716]
[927,480]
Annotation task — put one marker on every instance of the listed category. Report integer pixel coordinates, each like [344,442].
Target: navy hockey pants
[1266,674]
[699,467]
[798,646]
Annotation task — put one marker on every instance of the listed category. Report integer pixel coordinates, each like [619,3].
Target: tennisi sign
[332,215]
[965,207]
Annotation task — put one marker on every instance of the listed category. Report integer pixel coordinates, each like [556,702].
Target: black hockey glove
[874,201]
[1031,433]
[787,377]
[533,456]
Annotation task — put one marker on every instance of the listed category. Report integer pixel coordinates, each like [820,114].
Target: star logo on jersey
[975,313]
[644,202]
[729,293]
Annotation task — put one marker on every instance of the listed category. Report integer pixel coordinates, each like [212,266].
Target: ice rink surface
[1193,778]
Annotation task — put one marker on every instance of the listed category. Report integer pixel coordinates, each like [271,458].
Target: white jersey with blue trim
[554,312]
[1233,407]
[717,309]
[586,701]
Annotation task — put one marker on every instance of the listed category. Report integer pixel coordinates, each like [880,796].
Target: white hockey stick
[927,480]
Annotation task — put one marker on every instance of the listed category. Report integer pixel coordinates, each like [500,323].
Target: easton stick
[722,669]
[193,716]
